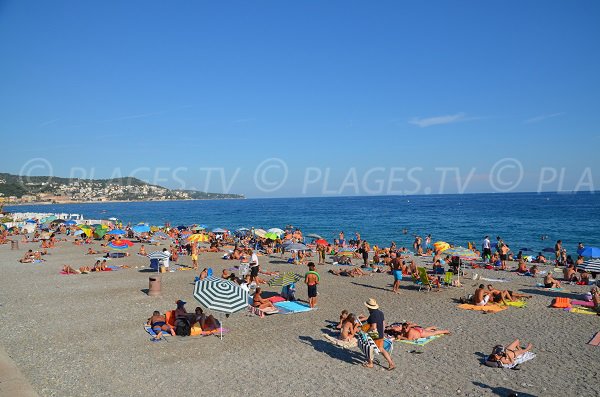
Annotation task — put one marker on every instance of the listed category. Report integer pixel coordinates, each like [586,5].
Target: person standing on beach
[195,256]
[375,323]
[253,265]
[558,252]
[312,278]
[428,242]
[486,249]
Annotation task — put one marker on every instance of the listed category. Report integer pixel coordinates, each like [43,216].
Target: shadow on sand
[322,346]
[502,391]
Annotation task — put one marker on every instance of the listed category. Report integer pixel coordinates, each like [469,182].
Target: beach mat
[262,312]
[520,304]
[420,341]
[595,341]
[582,303]
[343,344]
[582,310]
[288,307]
[486,308]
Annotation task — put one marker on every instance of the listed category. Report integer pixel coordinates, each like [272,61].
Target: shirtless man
[482,297]
[311,278]
[91,251]
[158,322]
[498,295]
[28,257]
[571,274]
[195,256]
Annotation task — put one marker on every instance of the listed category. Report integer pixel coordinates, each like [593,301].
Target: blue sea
[519,218]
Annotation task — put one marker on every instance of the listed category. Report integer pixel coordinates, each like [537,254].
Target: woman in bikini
[508,356]
[411,331]
[260,302]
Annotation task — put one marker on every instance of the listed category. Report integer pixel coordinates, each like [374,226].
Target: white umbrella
[220,295]
[276,230]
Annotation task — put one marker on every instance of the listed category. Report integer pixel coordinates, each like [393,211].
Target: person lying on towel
[158,322]
[411,331]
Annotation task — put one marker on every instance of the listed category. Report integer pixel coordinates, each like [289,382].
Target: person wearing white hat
[375,323]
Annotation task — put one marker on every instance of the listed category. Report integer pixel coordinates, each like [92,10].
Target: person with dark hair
[158,322]
[312,278]
[482,297]
[375,322]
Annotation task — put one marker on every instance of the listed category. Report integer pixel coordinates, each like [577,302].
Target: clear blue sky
[165,90]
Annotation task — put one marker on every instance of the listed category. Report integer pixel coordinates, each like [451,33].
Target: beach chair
[424,278]
[448,278]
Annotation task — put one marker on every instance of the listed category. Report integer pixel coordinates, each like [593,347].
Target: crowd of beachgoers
[442,265]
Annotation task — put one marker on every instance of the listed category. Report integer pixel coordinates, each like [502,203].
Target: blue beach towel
[288,307]
[420,341]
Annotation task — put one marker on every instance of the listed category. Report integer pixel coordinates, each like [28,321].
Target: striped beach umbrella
[276,230]
[220,295]
[284,279]
[463,253]
[160,255]
[313,236]
[590,265]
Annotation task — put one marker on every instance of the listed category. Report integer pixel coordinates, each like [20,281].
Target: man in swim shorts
[482,297]
[311,278]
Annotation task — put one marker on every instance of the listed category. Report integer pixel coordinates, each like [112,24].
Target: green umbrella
[271,236]
[284,279]
[100,232]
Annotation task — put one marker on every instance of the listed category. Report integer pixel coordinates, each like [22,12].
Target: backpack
[182,327]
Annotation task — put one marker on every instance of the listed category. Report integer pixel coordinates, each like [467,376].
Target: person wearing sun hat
[375,323]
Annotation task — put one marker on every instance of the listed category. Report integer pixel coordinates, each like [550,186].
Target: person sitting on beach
[411,331]
[260,302]
[503,295]
[349,328]
[91,251]
[142,251]
[571,275]
[77,242]
[533,270]
[225,274]
[28,257]
[343,316]
[481,297]
[158,322]
[522,267]
[508,357]
[596,299]
[550,282]
[182,314]
[207,323]
[540,258]
[203,274]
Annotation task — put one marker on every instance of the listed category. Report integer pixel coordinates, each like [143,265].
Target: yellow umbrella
[441,246]
[198,238]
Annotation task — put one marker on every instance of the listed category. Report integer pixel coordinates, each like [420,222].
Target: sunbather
[349,328]
[570,274]
[158,322]
[482,297]
[91,251]
[499,295]
[509,356]
[343,316]
[550,282]
[356,272]
[207,323]
[411,331]
[28,257]
[260,302]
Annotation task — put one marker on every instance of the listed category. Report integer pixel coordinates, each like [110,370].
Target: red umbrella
[321,242]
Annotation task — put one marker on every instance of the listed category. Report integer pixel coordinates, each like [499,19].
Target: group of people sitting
[99,266]
[33,256]
[484,296]
[184,322]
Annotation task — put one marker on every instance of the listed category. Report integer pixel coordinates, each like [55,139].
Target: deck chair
[425,282]
[448,278]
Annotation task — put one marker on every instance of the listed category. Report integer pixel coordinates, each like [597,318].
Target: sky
[307,98]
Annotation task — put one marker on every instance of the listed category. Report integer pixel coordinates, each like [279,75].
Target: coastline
[116,201]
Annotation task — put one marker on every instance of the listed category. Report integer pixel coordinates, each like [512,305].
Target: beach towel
[262,312]
[595,341]
[367,345]
[276,298]
[582,303]
[582,310]
[154,334]
[344,344]
[520,304]
[520,360]
[113,268]
[487,308]
[288,307]
[549,289]
[420,341]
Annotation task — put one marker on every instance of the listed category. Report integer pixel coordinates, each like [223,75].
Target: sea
[531,221]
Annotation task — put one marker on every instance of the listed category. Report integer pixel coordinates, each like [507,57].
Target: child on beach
[312,278]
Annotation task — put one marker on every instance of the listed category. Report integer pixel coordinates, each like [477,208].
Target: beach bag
[182,327]
[492,363]
[367,345]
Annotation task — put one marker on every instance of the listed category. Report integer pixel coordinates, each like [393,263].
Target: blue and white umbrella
[70,222]
[219,230]
[220,295]
[590,265]
[116,232]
